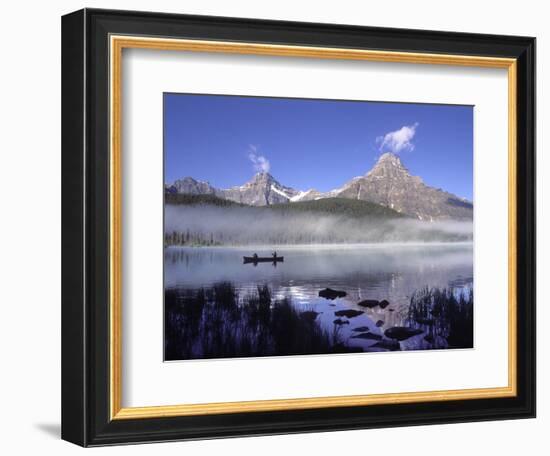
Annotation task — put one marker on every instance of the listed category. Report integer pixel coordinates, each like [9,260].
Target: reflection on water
[364,272]
[379,272]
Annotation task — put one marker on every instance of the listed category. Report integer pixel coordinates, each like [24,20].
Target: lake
[364,272]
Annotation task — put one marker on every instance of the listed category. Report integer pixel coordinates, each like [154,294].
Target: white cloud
[259,162]
[399,140]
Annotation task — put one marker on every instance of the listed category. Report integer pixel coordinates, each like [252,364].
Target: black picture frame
[85,225]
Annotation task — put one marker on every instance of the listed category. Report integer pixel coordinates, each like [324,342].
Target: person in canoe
[272,258]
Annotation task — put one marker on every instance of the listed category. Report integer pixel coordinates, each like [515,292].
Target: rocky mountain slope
[262,190]
[388,183]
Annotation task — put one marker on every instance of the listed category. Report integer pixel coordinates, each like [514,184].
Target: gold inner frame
[117,44]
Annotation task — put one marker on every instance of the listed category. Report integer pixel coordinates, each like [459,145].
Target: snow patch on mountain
[276,190]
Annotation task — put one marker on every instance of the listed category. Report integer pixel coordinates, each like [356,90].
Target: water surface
[378,271]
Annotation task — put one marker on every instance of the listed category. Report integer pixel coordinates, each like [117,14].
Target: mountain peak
[389,158]
[389,166]
[192,186]
[262,177]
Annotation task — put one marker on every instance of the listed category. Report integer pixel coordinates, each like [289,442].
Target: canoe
[263,259]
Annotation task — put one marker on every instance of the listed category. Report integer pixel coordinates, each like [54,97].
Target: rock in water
[384,304]
[388,344]
[369,335]
[350,313]
[370,303]
[402,332]
[340,322]
[361,329]
[379,323]
[331,294]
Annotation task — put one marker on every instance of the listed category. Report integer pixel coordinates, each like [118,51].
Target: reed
[218,323]
[447,316]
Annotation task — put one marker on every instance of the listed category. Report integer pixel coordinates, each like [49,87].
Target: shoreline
[372,245]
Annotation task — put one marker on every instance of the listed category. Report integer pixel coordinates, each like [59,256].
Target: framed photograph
[278,227]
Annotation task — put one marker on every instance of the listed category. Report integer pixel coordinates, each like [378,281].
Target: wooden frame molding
[116,46]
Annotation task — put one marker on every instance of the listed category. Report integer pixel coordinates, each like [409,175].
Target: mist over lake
[243,225]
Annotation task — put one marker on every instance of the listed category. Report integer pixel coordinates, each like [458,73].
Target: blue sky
[318,144]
